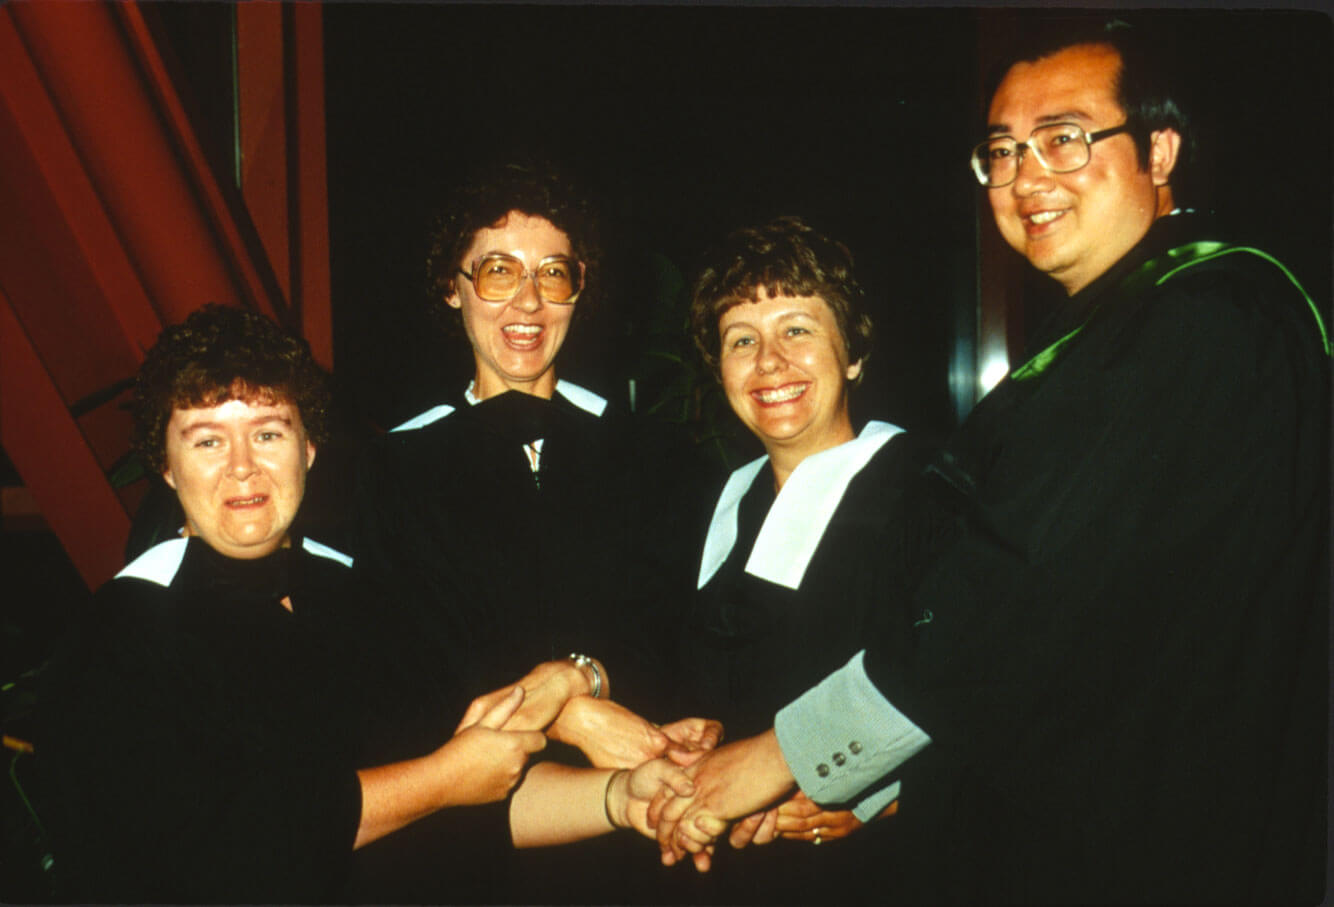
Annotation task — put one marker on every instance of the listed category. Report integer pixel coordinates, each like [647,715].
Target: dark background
[688,121]
[685,122]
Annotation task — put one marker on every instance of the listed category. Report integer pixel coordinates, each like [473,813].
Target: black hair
[1148,87]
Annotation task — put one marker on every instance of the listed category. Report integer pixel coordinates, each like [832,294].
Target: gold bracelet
[606,796]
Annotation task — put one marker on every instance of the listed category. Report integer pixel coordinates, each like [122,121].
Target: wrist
[442,777]
[569,726]
[590,670]
[615,798]
[766,761]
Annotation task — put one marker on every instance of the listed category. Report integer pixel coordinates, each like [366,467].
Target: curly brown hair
[787,257]
[222,353]
[483,200]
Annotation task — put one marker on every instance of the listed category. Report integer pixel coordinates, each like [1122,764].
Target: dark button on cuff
[839,758]
[854,747]
[822,770]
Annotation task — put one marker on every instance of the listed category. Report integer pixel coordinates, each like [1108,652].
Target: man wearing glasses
[1116,684]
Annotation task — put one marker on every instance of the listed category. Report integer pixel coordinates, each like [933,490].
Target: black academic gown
[501,569]
[508,568]
[752,644]
[1122,660]
[195,739]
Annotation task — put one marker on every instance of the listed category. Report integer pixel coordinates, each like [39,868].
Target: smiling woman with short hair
[807,546]
[201,735]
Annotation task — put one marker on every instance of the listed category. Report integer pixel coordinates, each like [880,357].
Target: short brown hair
[222,353]
[786,257]
[483,199]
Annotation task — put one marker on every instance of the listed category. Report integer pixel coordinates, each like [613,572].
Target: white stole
[800,514]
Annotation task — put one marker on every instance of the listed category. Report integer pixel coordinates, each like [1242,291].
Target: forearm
[557,804]
[761,775]
[398,794]
[479,764]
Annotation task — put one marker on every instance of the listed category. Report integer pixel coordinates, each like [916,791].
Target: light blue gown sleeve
[842,736]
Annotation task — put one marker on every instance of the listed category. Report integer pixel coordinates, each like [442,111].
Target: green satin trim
[1039,363]
[1199,252]
[1171,263]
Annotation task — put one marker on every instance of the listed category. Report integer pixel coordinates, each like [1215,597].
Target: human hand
[691,738]
[483,704]
[610,735]
[484,762]
[547,688]
[802,819]
[629,792]
[757,828]
[731,781]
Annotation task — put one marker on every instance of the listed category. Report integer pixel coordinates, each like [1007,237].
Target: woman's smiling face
[239,470]
[514,343]
[785,369]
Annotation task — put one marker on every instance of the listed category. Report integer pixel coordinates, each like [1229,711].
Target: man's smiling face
[1074,226]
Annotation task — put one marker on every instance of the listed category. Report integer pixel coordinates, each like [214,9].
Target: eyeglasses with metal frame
[1059,147]
[498,277]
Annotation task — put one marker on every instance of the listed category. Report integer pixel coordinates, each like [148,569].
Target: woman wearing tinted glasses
[209,733]
[508,515]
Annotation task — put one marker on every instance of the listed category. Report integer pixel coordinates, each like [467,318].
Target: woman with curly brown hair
[517,518]
[507,514]
[203,734]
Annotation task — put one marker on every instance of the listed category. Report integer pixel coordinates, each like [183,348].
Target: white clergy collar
[581,397]
[434,414]
[797,520]
[160,563]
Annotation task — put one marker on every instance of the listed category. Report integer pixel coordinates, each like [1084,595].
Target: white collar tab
[581,397]
[434,414]
[161,563]
[796,522]
[332,554]
[158,564]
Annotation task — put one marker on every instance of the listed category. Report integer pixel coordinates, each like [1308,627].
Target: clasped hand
[741,780]
[556,699]
[746,781]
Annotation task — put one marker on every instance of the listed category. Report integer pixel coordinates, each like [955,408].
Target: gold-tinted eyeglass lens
[498,278]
